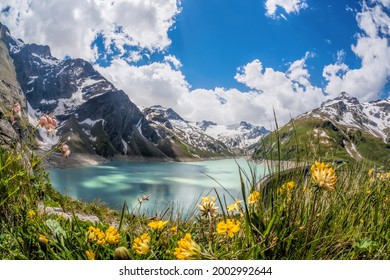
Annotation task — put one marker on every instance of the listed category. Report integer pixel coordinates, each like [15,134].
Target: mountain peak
[246,125]
[344,95]
[343,98]
[168,113]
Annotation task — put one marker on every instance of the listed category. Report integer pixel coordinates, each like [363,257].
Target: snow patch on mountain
[237,136]
[372,117]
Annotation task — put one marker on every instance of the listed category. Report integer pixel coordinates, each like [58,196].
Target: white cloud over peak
[290,93]
[158,83]
[70,27]
[289,6]
[372,48]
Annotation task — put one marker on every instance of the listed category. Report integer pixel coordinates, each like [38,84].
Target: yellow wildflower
[207,207]
[90,254]
[96,235]
[187,249]
[288,186]
[379,176]
[324,176]
[31,214]
[173,229]
[43,239]
[229,227]
[234,206]
[253,197]
[156,225]
[112,235]
[141,244]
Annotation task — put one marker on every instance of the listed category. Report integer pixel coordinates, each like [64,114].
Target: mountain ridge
[342,128]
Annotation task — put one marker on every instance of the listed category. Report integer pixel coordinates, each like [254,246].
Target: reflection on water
[166,183]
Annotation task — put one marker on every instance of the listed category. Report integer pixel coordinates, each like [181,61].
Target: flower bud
[42,239]
[122,253]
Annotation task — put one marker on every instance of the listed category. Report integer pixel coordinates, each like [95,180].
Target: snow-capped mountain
[185,139]
[94,116]
[238,137]
[342,128]
[372,117]
[92,113]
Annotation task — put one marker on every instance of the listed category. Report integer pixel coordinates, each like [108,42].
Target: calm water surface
[168,184]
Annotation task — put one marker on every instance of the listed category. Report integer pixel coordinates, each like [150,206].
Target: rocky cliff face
[9,85]
[10,93]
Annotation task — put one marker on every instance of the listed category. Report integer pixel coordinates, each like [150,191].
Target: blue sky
[212,38]
[224,61]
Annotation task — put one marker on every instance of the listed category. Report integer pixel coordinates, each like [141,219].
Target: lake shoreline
[55,159]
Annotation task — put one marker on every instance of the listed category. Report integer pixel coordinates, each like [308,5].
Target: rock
[8,136]
[60,212]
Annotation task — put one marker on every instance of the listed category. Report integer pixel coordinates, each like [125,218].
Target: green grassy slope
[308,138]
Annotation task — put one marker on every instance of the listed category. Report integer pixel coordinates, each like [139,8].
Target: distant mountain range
[180,138]
[239,137]
[95,117]
[342,128]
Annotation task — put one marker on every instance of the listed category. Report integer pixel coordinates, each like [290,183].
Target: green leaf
[270,224]
[55,228]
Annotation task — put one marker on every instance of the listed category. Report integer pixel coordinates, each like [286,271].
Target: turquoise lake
[168,184]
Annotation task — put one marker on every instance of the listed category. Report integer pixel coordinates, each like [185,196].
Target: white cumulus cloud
[289,6]
[289,93]
[372,48]
[69,27]
[158,83]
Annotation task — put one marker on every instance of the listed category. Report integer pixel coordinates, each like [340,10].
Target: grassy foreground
[326,212]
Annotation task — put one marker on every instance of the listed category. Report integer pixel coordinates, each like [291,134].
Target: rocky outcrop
[10,93]
[8,136]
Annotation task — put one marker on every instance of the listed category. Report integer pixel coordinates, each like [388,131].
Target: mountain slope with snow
[178,137]
[340,129]
[371,117]
[93,116]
